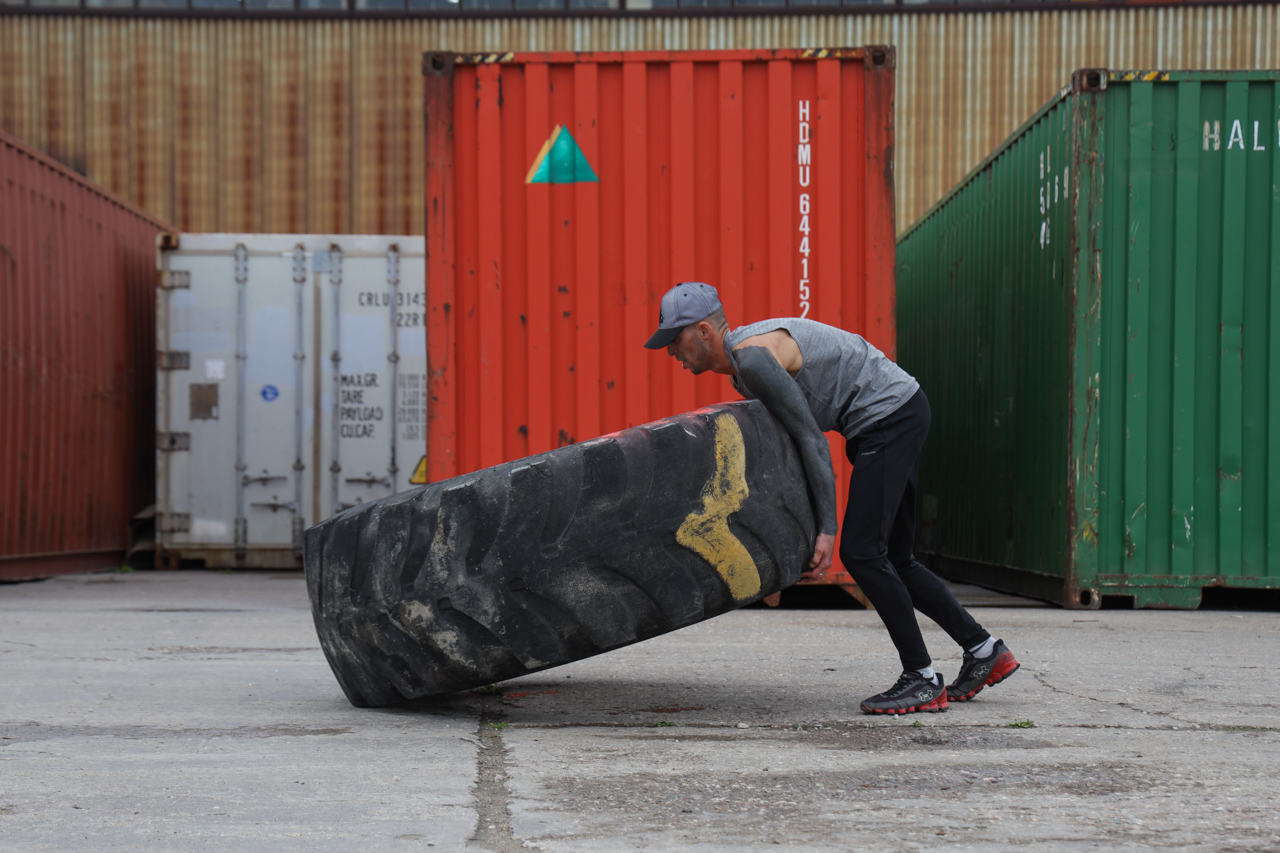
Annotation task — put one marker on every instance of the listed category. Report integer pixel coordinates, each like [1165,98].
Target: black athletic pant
[879,535]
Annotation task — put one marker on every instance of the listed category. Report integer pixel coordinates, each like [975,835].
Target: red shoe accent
[938,704]
[1005,666]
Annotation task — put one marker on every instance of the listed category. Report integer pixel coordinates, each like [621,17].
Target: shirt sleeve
[770,383]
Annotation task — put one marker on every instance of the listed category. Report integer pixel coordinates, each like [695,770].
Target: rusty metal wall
[315,126]
[77,361]
[761,172]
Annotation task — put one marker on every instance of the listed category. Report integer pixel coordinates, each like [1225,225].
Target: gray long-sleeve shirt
[845,384]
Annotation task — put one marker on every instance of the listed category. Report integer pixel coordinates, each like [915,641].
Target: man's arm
[770,382]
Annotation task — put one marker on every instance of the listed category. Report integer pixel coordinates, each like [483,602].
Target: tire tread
[546,560]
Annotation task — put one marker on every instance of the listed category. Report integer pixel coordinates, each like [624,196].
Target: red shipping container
[77,367]
[566,192]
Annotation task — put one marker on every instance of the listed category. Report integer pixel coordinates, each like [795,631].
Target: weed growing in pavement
[917,725]
[1022,724]
[662,724]
[488,690]
[1246,729]
[124,570]
[500,725]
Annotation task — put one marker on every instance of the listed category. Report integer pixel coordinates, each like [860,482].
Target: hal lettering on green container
[1095,314]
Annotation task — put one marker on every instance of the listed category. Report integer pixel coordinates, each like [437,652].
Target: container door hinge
[173,360]
[173,522]
[370,480]
[173,441]
[242,537]
[264,478]
[276,505]
[175,279]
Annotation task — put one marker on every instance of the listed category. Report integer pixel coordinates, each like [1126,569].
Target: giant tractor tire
[551,559]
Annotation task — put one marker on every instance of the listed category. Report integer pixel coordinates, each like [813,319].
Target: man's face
[690,349]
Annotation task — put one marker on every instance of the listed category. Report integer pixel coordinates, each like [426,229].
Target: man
[814,378]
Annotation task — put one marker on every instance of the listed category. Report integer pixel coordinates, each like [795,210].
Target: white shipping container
[291,384]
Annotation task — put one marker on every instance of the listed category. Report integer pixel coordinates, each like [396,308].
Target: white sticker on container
[215,368]
[209,529]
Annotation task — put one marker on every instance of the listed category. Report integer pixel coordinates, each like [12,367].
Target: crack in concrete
[493,802]
[1116,704]
[32,731]
[837,725]
[1039,676]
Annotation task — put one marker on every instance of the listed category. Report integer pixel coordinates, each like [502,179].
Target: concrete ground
[195,711]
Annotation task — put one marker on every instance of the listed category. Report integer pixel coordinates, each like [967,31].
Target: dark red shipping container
[77,367]
[566,192]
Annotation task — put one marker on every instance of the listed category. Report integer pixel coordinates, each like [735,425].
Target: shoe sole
[935,707]
[992,679]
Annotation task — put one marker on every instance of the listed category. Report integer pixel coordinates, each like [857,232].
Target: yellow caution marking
[419,477]
[707,532]
[542,154]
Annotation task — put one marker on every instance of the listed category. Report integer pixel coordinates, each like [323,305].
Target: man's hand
[822,554]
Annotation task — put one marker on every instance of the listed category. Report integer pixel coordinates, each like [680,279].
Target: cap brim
[662,337]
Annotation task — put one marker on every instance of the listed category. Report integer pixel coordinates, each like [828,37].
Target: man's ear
[705,330]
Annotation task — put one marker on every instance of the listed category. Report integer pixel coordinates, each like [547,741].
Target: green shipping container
[1094,313]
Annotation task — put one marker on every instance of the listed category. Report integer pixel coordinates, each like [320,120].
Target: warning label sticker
[560,161]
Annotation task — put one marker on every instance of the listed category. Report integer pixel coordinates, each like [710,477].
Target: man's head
[691,325]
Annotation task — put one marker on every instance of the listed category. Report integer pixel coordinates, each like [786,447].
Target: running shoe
[913,692]
[977,673]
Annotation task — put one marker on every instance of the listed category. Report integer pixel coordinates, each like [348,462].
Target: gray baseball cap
[686,303]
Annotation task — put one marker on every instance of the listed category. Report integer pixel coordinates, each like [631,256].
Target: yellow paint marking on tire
[706,532]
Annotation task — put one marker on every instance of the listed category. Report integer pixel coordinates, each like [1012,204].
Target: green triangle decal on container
[560,161]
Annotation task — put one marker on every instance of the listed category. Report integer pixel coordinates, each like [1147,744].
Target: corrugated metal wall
[542,293]
[984,302]
[77,362]
[314,126]
[1094,313]
[1189,429]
